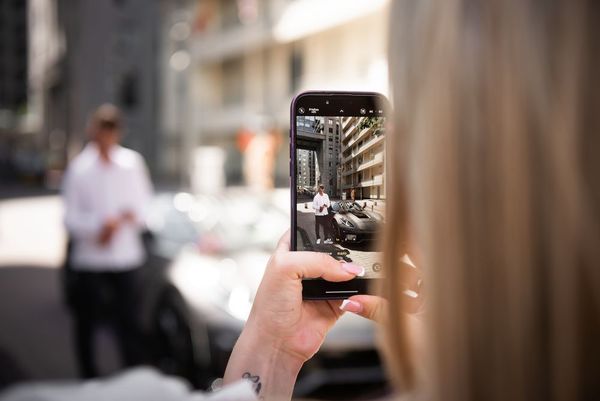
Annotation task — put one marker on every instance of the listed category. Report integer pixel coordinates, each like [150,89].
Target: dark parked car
[353,224]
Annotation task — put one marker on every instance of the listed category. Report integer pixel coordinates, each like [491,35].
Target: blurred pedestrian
[106,191]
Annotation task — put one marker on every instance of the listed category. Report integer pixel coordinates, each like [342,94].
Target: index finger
[285,242]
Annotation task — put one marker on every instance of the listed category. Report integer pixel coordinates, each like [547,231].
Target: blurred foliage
[369,122]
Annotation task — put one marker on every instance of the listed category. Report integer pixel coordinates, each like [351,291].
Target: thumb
[306,265]
[371,307]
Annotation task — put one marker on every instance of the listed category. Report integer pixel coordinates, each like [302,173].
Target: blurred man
[106,191]
[320,205]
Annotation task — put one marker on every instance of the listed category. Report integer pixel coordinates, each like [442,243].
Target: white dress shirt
[318,201]
[94,191]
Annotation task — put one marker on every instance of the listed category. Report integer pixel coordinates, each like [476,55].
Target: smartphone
[337,170]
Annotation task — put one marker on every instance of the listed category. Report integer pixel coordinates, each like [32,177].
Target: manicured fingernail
[351,268]
[351,306]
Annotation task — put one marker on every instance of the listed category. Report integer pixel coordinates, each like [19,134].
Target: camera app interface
[340,186]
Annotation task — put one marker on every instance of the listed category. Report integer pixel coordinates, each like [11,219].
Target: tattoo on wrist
[255,380]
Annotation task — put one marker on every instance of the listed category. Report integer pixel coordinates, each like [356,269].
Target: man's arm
[141,193]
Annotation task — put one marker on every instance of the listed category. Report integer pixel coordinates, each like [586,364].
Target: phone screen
[340,184]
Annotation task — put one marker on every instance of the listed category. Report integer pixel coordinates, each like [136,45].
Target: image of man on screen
[320,205]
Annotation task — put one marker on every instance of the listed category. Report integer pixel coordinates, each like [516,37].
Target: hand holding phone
[282,331]
[337,148]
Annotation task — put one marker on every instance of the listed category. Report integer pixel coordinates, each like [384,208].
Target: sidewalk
[32,231]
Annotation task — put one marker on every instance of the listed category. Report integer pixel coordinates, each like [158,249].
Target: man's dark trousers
[110,297]
[322,221]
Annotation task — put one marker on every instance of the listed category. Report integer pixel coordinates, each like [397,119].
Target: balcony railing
[376,180]
[350,132]
[363,148]
[360,135]
[216,45]
[378,159]
[348,121]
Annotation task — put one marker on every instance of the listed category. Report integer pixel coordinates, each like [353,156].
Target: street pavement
[35,335]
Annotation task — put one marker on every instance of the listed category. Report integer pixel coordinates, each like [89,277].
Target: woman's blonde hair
[496,177]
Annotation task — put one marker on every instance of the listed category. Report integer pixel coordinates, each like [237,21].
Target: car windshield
[353,207]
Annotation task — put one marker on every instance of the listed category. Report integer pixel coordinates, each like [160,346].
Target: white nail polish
[344,303]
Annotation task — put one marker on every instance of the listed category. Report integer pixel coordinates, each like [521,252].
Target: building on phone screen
[362,157]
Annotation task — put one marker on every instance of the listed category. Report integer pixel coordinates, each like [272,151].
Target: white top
[139,384]
[321,200]
[94,191]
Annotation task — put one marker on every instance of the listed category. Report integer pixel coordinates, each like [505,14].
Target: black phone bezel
[329,103]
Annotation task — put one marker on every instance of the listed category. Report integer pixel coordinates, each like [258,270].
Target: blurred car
[206,259]
[352,223]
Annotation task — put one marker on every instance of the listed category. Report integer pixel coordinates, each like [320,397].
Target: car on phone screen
[354,224]
[210,253]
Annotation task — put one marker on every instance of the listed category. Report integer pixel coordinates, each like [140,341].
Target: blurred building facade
[84,53]
[191,73]
[244,60]
[13,82]
[13,55]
